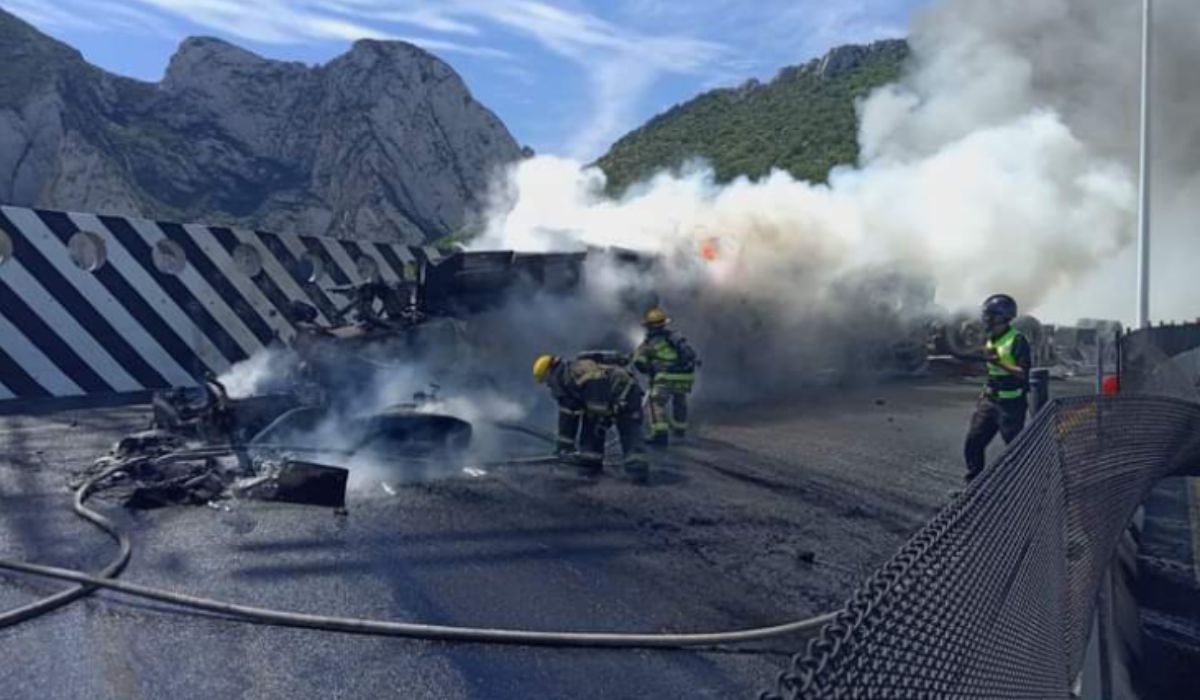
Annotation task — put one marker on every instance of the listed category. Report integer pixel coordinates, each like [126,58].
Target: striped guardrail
[101,304]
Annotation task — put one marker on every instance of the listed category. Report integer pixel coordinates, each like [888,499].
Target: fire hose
[114,567]
[87,583]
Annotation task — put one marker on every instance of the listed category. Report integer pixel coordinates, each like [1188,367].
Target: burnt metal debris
[1065,351]
[203,446]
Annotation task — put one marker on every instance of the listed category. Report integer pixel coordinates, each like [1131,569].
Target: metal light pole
[1143,249]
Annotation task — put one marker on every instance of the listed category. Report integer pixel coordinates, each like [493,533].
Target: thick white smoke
[1003,160]
[261,373]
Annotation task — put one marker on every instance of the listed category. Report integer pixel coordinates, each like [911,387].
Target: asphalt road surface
[768,514]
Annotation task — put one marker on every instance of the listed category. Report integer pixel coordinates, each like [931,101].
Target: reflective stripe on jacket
[584,385]
[668,359]
[1003,384]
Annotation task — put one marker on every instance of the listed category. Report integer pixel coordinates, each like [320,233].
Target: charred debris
[204,446]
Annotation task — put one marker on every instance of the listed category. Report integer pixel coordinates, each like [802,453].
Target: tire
[964,335]
[406,431]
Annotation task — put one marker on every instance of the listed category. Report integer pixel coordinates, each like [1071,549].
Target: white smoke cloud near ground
[1003,160]
[260,373]
[361,389]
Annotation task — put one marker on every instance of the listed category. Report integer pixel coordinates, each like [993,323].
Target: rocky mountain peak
[388,49]
[392,63]
[383,142]
[216,67]
[199,55]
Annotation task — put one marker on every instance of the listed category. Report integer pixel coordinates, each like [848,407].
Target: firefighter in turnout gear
[670,364]
[1004,403]
[592,397]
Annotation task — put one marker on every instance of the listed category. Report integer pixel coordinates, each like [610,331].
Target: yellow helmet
[655,317]
[541,368]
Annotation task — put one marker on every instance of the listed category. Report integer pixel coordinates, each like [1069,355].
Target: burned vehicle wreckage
[204,445]
[296,437]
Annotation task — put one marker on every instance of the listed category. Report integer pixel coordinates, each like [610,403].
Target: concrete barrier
[99,305]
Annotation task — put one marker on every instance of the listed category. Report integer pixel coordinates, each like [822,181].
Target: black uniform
[1004,404]
[591,397]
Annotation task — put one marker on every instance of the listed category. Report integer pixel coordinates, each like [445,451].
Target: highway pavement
[768,513]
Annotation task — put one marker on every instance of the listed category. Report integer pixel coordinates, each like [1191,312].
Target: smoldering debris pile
[155,469]
[204,446]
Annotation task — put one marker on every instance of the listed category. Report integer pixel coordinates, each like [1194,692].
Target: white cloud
[621,65]
[431,19]
[282,22]
[63,16]
[445,46]
[617,85]
[43,15]
[268,21]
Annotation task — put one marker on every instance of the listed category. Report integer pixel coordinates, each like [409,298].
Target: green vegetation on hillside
[803,121]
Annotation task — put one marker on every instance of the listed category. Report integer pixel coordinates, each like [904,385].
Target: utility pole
[1143,248]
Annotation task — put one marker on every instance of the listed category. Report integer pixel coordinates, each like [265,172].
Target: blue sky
[567,76]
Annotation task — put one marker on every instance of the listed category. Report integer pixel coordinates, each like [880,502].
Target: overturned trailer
[282,443]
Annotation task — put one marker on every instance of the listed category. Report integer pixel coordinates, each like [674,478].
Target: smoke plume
[1004,159]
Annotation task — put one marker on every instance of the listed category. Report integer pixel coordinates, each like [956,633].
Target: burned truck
[279,444]
[426,321]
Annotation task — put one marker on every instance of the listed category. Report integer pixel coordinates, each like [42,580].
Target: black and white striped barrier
[105,304]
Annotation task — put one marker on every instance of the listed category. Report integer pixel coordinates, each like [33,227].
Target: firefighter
[670,364]
[1004,402]
[592,397]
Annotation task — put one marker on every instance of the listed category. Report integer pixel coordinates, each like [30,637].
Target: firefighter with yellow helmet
[669,362]
[592,397]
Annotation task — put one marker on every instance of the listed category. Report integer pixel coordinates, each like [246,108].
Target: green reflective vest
[659,351]
[1001,382]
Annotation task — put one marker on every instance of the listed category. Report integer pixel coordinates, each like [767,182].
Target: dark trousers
[628,420]
[1006,416]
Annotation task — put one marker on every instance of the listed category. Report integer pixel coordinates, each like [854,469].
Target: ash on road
[771,513]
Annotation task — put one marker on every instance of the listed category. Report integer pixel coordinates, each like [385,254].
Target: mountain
[803,121]
[384,142]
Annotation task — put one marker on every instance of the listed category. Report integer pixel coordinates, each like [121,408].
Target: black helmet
[999,308]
